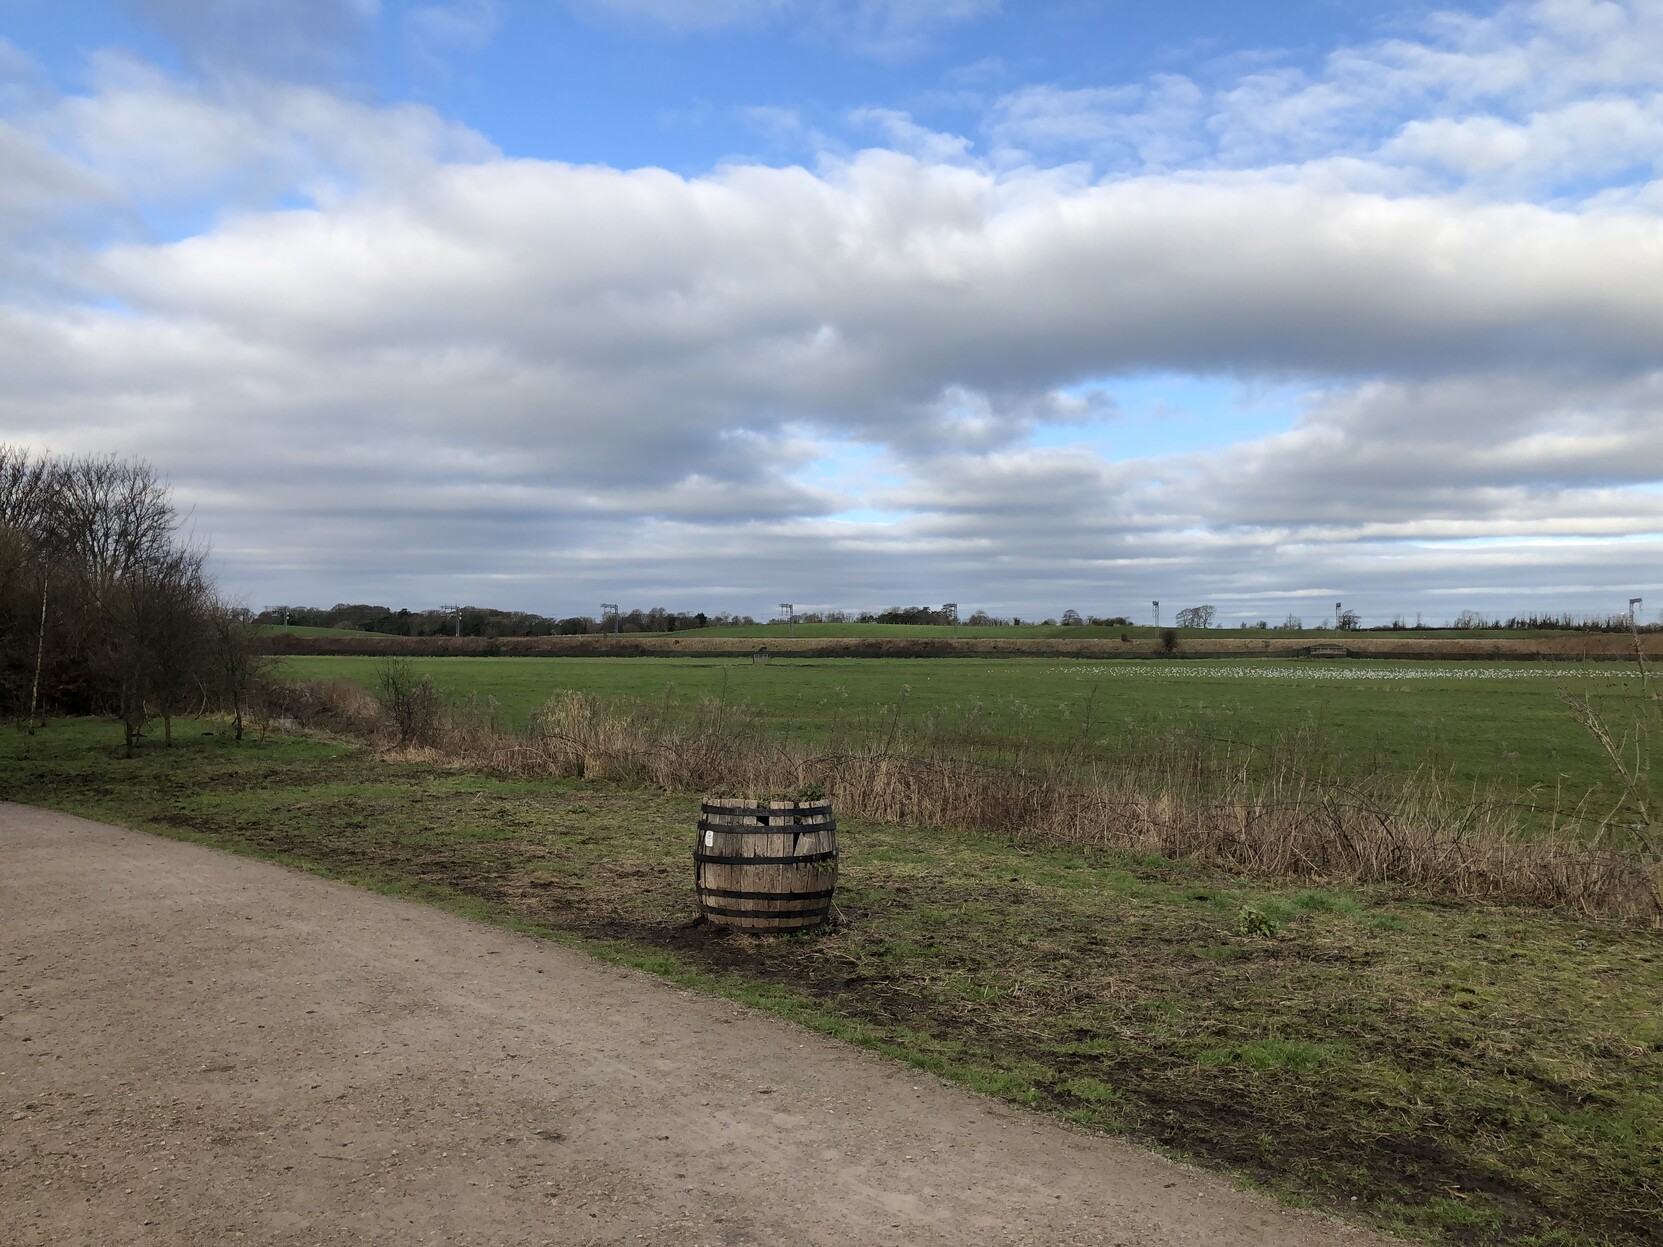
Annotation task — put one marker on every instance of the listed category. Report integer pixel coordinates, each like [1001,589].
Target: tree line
[105,607]
[485,621]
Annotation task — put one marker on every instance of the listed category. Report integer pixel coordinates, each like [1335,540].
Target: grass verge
[1471,1074]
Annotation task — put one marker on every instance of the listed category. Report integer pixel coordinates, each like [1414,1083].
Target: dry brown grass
[1286,816]
[338,706]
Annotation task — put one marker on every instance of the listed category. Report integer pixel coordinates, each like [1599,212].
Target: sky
[717,304]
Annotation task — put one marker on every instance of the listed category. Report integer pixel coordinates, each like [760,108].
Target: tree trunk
[40,653]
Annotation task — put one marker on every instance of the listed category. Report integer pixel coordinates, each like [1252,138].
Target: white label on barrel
[709,839]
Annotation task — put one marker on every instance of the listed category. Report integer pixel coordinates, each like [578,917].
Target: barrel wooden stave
[786,867]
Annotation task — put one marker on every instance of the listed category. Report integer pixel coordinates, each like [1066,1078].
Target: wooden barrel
[766,866]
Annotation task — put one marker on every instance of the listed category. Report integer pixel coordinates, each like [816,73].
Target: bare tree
[238,666]
[111,517]
[105,531]
[180,643]
[28,483]
[102,607]
[151,642]
[20,583]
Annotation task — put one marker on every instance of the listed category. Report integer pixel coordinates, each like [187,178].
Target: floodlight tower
[790,617]
[617,620]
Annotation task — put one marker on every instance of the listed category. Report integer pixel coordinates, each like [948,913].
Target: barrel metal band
[730,894]
[724,859]
[763,811]
[718,912]
[778,829]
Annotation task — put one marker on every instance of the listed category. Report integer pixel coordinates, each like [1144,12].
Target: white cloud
[1487,455]
[1152,126]
[453,369]
[906,135]
[241,140]
[994,278]
[1586,139]
[585,346]
[1536,95]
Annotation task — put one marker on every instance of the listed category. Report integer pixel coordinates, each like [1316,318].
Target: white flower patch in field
[1282,671]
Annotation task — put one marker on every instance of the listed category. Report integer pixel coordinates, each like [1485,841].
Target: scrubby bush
[410,700]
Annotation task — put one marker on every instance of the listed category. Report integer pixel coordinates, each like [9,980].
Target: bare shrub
[338,706]
[411,700]
[1630,751]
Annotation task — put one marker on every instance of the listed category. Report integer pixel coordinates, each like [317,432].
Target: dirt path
[197,1048]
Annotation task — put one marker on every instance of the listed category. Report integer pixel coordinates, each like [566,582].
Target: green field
[1479,723]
